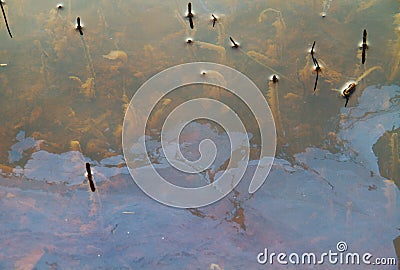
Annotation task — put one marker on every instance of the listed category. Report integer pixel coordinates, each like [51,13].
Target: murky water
[63,98]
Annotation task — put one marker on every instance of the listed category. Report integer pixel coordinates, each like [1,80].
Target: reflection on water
[63,98]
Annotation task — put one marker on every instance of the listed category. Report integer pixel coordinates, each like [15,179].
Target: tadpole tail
[191,22]
[91,183]
[363,54]
[5,19]
[316,81]
[347,101]
[79,27]
[233,42]
[365,36]
[89,172]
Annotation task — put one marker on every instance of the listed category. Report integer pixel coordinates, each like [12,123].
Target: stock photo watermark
[149,95]
[340,256]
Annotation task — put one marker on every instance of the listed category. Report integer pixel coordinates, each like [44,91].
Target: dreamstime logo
[149,95]
[342,257]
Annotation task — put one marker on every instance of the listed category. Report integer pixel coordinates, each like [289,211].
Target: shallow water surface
[63,98]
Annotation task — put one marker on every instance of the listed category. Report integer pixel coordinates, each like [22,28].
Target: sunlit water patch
[305,206]
[69,167]
[296,210]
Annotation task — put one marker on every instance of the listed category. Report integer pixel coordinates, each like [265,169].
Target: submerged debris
[395,162]
[117,55]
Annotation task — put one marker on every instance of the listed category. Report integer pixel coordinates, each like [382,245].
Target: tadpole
[234,44]
[79,27]
[90,177]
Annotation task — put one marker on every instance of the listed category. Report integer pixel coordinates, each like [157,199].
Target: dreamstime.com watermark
[149,95]
[339,256]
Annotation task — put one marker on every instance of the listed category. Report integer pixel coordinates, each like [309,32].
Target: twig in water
[5,18]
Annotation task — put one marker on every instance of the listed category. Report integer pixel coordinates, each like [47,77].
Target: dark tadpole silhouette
[364,46]
[190,14]
[365,36]
[235,45]
[348,91]
[363,56]
[90,178]
[316,81]
[79,27]
[191,22]
[214,19]
[317,68]
[5,18]
[347,101]
[312,54]
[312,48]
